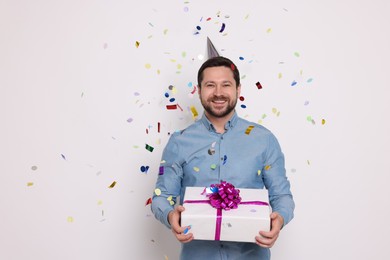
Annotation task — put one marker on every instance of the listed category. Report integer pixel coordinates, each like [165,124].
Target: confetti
[185,9]
[213,166]
[306,103]
[157,192]
[242,98]
[194,112]
[161,170]
[258,85]
[323,121]
[241,58]
[258,172]
[158,127]
[129,120]
[70,219]
[144,169]
[222,28]
[309,80]
[279,75]
[296,54]
[112,185]
[172,100]
[224,159]
[232,67]
[269,30]
[171,107]
[165,31]
[34,168]
[293,170]
[249,129]
[267,167]
[63,157]
[137,44]
[243,106]
[308,162]
[100,202]
[293,83]
[196,169]
[149,148]
[29,184]
[148,66]
[187,229]
[171,201]
[148,201]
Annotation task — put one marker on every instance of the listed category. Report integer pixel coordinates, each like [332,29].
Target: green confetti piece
[213,166]
[149,148]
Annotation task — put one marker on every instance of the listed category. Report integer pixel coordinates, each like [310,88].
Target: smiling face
[218,92]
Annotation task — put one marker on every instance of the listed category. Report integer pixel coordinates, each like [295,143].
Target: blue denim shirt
[247,155]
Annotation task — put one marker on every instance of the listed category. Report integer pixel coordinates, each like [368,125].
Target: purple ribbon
[226,197]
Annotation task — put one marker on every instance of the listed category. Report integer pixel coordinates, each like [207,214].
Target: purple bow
[225,196]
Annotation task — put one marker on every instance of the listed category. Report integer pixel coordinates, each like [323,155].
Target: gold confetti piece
[267,167]
[194,112]
[34,168]
[70,219]
[269,30]
[171,202]
[301,72]
[249,129]
[196,169]
[112,185]
[279,75]
[174,90]
[247,16]
[258,172]
[179,66]
[158,72]
[136,44]
[165,31]
[157,192]
[308,162]
[148,66]
[274,110]
[172,60]
[169,198]
[323,121]
[163,161]
[100,202]
[29,184]
[278,114]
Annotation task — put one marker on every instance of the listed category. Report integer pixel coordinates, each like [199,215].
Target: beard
[219,113]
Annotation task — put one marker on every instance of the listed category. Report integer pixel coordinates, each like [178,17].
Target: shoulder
[251,128]
[192,130]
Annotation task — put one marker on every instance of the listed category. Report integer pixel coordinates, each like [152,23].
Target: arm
[281,199]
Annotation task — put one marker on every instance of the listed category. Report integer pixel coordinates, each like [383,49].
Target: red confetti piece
[259,86]
[242,98]
[179,107]
[148,201]
[208,19]
[232,67]
[158,127]
[193,91]
[171,107]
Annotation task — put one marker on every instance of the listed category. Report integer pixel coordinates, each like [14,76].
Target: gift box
[241,224]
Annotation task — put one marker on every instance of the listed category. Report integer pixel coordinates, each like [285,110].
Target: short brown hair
[218,62]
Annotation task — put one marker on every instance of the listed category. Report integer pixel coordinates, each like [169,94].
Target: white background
[71,77]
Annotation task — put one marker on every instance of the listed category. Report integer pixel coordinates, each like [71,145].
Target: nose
[218,90]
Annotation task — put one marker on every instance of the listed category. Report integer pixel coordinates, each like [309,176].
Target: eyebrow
[225,81]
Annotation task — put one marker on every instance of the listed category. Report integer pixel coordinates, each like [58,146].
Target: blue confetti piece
[222,28]
[166,94]
[198,28]
[293,83]
[243,106]
[172,100]
[187,229]
[241,58]
[224,159]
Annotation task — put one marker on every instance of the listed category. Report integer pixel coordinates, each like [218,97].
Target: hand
[177,230]
[268,239]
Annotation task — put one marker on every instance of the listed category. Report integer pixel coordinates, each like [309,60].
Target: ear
[199,91]
[239,90]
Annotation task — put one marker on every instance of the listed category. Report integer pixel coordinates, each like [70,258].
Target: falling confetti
[149,148]
[148,66]
[222,28]
[194,112]
[187,229]
[112,185]
[63,157]
[213,166]
[293,83]
[70,219]
[249,129]
[267,167]
[196,169]
[148,201]
[34,168]
[29,184]
[129,120]
[161,170]
[157,192]
[259,86]
[309,80]
[269,30]
[144,169]
[258,172]
[171,107]
[137,44]
[296,54]
[280,75]
[323,121]
[224,159]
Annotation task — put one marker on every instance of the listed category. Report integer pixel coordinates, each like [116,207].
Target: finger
[184,238]
[265,242]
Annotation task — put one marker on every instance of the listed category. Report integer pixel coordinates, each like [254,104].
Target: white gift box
[241,225]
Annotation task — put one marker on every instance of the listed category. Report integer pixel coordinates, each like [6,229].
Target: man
[222,146]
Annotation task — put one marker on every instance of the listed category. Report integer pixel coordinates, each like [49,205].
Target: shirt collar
[229,124]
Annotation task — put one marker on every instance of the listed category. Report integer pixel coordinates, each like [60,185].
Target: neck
[219,122]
